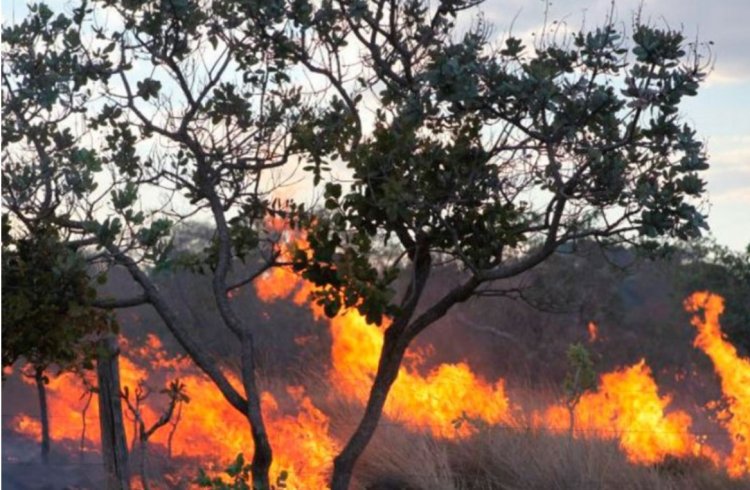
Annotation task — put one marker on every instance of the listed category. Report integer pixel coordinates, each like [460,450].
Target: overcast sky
[720,112]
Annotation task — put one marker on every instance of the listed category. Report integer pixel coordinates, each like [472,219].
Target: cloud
[724,23]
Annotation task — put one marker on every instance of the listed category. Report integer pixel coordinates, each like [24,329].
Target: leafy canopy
[47,317]
[491,158]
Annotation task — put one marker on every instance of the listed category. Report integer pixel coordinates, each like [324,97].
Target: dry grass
[503,458]
[517,459]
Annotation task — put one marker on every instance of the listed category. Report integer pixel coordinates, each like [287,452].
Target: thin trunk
[390,361]
[82,447]
[262,455]
[572,420]
[135,436]
[176,421]
[144,449]
[114,444]
[43,412]
[395,342]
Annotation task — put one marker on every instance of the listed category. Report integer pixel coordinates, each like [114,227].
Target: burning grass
[444,427]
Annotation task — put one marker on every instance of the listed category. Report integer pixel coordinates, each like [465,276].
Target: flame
[438,401]
[734,372]
[66,398]
[210,429]
[627,406]
[24,424]
[593,332]
[301,443]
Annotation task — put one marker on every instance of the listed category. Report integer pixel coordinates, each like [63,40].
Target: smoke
[22,468]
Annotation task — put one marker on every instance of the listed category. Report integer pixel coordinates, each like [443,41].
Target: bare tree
[176,392]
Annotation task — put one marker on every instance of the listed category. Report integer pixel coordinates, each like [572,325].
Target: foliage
[581,375]
[489,158]
[484,156]
[183,100]
[239,477]
[47,317]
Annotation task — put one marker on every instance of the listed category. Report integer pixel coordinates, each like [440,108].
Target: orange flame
[734,372]
[627,406]
[438,401]
[210,428]
[24,424]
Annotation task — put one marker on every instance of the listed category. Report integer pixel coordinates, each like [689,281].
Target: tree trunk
[262,454]
[390,361]
[144,478]
[43,412]
[114,444]
[572,420]
[82,445]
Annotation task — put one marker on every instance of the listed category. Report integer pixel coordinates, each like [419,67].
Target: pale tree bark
[114,445]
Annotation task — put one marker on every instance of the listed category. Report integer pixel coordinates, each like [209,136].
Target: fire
[448,400]
[734,373]
[301,443]
[277,283]
[593,332]
[210,429]
[67,396]
[627,406]
[24,424]
[438,401]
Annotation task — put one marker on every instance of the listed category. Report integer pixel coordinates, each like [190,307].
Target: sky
[720,112]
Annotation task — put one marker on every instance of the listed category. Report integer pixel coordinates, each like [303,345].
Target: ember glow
[446,400]
[593,332]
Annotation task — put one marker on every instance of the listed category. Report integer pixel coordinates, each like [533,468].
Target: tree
[492,158]
[111,424]
[47,320]
[488,158]
[175,99]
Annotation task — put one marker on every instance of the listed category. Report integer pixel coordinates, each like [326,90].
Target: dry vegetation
[504,458]
[498,458]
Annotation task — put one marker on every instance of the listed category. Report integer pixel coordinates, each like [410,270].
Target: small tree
[47,320]
[240,475]
[580,378]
